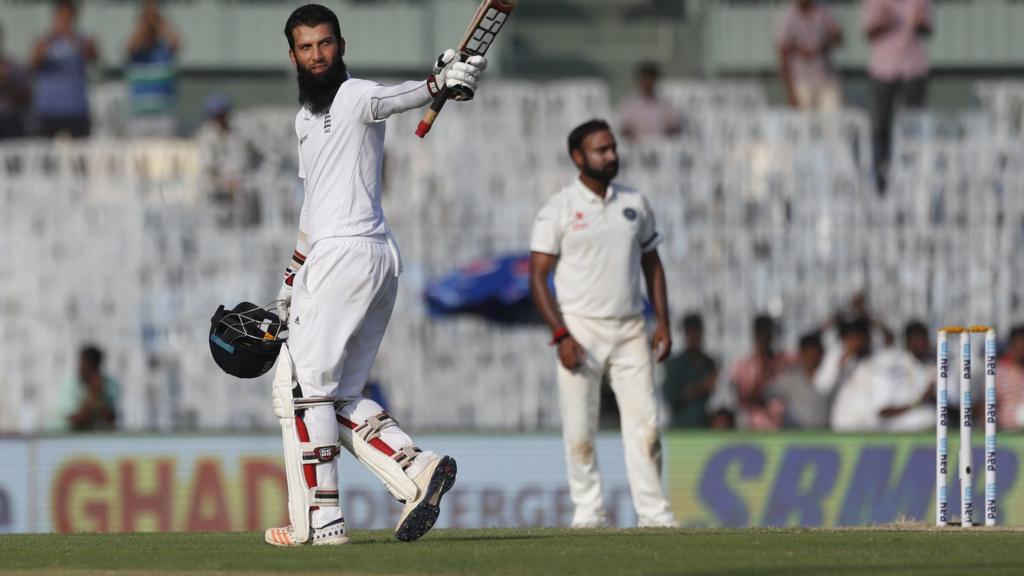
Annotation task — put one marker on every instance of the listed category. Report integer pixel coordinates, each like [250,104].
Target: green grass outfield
[882,550]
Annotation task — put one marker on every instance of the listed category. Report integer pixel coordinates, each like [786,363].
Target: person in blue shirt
[59,61]
[150,72]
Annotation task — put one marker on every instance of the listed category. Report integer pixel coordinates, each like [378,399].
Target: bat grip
[431,114]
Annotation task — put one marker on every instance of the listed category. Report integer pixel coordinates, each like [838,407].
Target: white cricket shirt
[599,243]
[341,154]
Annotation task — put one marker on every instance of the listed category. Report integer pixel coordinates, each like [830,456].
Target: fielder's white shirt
[599,243]
[341,154]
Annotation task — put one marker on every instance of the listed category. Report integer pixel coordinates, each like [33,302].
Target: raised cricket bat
[487,22]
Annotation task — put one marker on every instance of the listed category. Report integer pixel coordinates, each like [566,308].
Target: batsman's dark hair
[310,15]
[580,132]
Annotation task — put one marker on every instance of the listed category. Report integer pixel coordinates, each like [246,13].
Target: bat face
[489,19]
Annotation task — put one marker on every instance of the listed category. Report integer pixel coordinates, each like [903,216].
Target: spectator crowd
[48,95]
[849,375]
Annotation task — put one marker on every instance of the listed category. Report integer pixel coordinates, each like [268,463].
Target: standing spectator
[14,96]
[600,240]
[646,115]
[846,378]
[151,52]
[59,60]
[802,405]
[805,35]
[690,378]
[898,67]
[224,155]
[89,401]
[752,377]
[1010,383]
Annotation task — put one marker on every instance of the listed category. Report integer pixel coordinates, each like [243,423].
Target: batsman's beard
[316,91]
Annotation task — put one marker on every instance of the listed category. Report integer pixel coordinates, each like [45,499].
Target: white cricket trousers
[341,305]
[620,347]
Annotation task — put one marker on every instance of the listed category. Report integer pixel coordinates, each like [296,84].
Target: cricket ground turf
[904,549]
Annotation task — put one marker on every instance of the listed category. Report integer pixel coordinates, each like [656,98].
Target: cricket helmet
[245,340]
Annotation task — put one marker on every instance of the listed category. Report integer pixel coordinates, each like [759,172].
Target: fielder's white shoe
[669,522]
[333,533]
[419,516]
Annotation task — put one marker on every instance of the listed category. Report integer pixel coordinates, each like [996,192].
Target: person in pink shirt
[898,68]
[1010,383]
[645,115]
[805,35]
[752,377]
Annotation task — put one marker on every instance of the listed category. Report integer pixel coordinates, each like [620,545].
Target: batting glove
[460,76]
[284,295]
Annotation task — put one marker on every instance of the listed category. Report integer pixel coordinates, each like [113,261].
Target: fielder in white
[600,240]
[344,274]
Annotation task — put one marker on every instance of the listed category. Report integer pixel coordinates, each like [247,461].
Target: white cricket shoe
[419,515]
[331,534]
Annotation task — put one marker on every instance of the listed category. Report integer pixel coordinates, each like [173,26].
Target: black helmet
[245,341]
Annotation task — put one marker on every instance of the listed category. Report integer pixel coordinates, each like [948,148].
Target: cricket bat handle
[431,114]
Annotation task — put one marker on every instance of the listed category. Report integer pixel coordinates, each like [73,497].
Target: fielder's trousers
[620,347]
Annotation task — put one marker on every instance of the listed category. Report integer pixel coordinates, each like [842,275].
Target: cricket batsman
[600,240]
[340,288]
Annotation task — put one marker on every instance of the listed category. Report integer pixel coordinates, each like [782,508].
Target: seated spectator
[150,73]
[1010,383]
[690,378]
[89,401]
[59,60]
[805,35]
[905,383]
[890,391]
[14,97]
[646,115]
[752,377]
[802,405]
[843,356]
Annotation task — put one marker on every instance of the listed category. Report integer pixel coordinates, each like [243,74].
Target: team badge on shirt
[629,213]
[578,222]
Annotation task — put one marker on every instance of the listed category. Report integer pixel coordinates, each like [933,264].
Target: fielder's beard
[316,91]
[604,174]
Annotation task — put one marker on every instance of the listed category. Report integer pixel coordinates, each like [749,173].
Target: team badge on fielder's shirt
[629,213]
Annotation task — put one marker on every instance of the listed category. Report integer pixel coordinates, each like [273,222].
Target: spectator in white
[904,383]
[898,67]
[59,61]
[149,71]
[802,405]
[842,358]
[224,155]
[645,115]
[805,35]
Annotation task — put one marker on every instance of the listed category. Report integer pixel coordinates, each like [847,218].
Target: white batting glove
[461,77]
[284,298]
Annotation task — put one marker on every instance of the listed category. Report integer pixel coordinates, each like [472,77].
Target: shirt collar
[592,198]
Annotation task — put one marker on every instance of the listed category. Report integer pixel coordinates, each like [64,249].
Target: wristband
[559,335]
